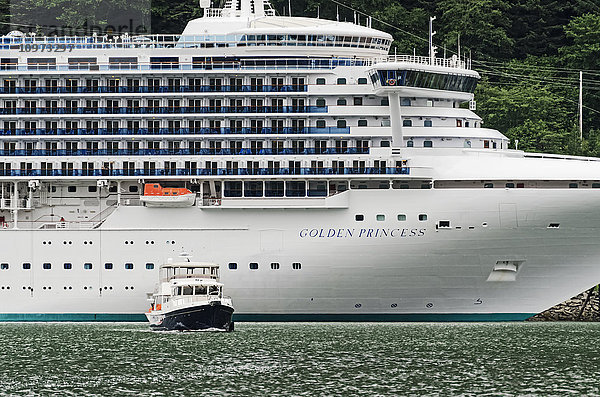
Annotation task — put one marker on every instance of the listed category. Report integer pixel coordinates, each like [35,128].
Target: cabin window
[427,143]
[362,123]
[380,217]
[133,189]
[67,266]
[444,224]
[129,266]
[188,290]
[486,144]
[274,189]
[72,189]
[108,266]
[510,185]
[87,266]
[320,81]
[520,185]
[459,123]
[362,80]
[232,266]
[402,217]
[275,266]
[410,144]
[573,185]
[341,124]
[341,102]
[427,123]
[595,185]
[232,189]
[47,266]
[296,266]
[385,102]
[4,266]
[149,266]
[320,102]
[407,123]
[112,189]
[253,189]
[385,143]
[406,102]
[321,124]
[92,189]
[422,217]
[359,217]
[341,81]
[26,266]
[295,189]
[200,290]
[253,266]
[358,101]
[317,189]
[488,185]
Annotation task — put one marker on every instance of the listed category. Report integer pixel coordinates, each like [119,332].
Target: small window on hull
[232,266]
[253,266]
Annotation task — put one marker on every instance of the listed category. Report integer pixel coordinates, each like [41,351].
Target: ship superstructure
[331,180]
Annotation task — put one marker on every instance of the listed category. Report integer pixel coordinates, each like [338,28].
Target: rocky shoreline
[583,307]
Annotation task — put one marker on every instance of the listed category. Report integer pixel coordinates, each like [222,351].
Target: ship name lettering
[330,233]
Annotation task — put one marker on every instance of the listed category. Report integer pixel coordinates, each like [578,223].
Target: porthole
[149,266]
[232,266]
[274,266]
[359,217]
[402,217]
[380,217]
[108,266]
[67,266]
[47,266]
[129,266]
[4,266]
[87,266]
[296,266]
[133,189]
[253,266]
[26,266]
[422,217]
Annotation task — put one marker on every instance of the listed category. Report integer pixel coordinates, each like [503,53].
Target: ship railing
[453,62]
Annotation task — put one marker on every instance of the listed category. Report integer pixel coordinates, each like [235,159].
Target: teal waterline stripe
[388,317]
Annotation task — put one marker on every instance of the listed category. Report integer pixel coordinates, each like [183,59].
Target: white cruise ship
[329,180]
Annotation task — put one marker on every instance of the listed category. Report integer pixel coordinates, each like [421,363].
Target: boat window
[510,185]
[380,217]
[295,189]
[129,266]
[317,189]
[573,185]
[342,102]
[133,189]
[341,80]
[253,189]
[427,143]
[359,217]
[488,185]
[149,266]
[72,189]
[422,217]
[427,123]
[444,224]
[320,102]
[47,266]
[595,185]
[486,144]
[320,81]
[274,266]
[406,102]
[362,80]
[4,266]
[402,217]
[321,124]
[213,290]
[253,266]
[188,290]
[362,123]
[92,189]
[232,189]
[108,266]
[68,266]
[232,266]
[200,290]
[26,266]
[341,124]
[407,123]
[296,266]
[410,144]
[385,102]
[273,188]
[87,266]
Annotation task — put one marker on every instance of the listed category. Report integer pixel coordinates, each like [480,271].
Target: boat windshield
[197,290]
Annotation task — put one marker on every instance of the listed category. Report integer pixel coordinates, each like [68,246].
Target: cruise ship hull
[379,269]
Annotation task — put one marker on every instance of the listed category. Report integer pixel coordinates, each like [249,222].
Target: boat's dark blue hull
[213,315]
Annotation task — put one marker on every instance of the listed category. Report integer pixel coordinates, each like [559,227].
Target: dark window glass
[253,266]
[232,266]
[129,266]
[359,217]
[295,189]
[149,266]
[87,266]
[232,189]
[47,266]
[108,266]
[26,266]
[68,266]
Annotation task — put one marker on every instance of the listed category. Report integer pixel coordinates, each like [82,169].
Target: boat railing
[453,62]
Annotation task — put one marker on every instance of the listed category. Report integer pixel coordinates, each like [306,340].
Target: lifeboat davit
[157,196]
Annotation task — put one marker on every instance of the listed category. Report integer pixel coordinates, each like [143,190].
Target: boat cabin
[189,270]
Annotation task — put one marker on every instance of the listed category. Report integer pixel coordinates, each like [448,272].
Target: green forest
[528,52]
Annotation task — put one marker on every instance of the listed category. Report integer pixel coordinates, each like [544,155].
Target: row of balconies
[174,131]
[164,110]
[153,89]
[208,171]
[183,152]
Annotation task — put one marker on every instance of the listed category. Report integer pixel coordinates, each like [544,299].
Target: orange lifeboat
[157,196]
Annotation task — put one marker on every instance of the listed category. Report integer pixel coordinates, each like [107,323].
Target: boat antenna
[432,48]
[581,105]
[338,13]
[290,7]
[318,12]
[459,46]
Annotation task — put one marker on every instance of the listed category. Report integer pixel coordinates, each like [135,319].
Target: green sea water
[308,359]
